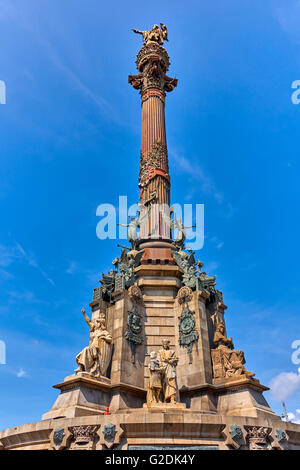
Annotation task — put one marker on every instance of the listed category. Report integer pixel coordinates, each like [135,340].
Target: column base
[157,252]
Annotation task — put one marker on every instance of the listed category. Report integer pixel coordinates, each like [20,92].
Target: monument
[159,370]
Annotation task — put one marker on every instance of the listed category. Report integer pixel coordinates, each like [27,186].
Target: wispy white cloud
[288,16]
[92,276]
[5,275]
[7,255]
[16,253]
[272,335]
[216,242]
[72,268]
[98,100]
[31,261]
[11,13]
[294,417]
[195,171]
[207,185]
[210,267]
[7,10]
[16,296]
[38,354]
[284,385]
[22,373]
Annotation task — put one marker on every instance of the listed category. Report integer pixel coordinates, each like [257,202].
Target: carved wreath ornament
[185,295]
[135,293]
[186,323]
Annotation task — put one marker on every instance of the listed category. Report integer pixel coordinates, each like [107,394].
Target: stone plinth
[243,397]
[165,407]
[80,395]
[142,427]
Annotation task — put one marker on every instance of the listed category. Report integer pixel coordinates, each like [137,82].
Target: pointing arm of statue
[86,317]
[137,31]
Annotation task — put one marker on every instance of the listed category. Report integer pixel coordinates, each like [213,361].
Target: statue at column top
[156,34]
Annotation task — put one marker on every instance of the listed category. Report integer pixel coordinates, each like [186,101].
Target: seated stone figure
[227,362]
[95,358]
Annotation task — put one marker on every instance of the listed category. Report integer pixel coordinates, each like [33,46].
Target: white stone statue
[155,381]
[156,34]
[95,358]
[168,360]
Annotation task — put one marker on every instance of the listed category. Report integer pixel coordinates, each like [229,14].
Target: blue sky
[70,140]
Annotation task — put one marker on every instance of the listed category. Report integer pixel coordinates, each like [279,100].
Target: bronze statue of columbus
[156,34]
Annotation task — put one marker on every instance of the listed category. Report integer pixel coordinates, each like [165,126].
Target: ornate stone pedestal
[208,399]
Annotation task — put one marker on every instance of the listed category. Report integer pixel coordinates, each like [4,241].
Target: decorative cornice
[224,387]
[152,63]
[153,92]
[76,381]
[152,52]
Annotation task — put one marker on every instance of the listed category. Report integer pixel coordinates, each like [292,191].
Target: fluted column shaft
[155,158]
[154,179]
